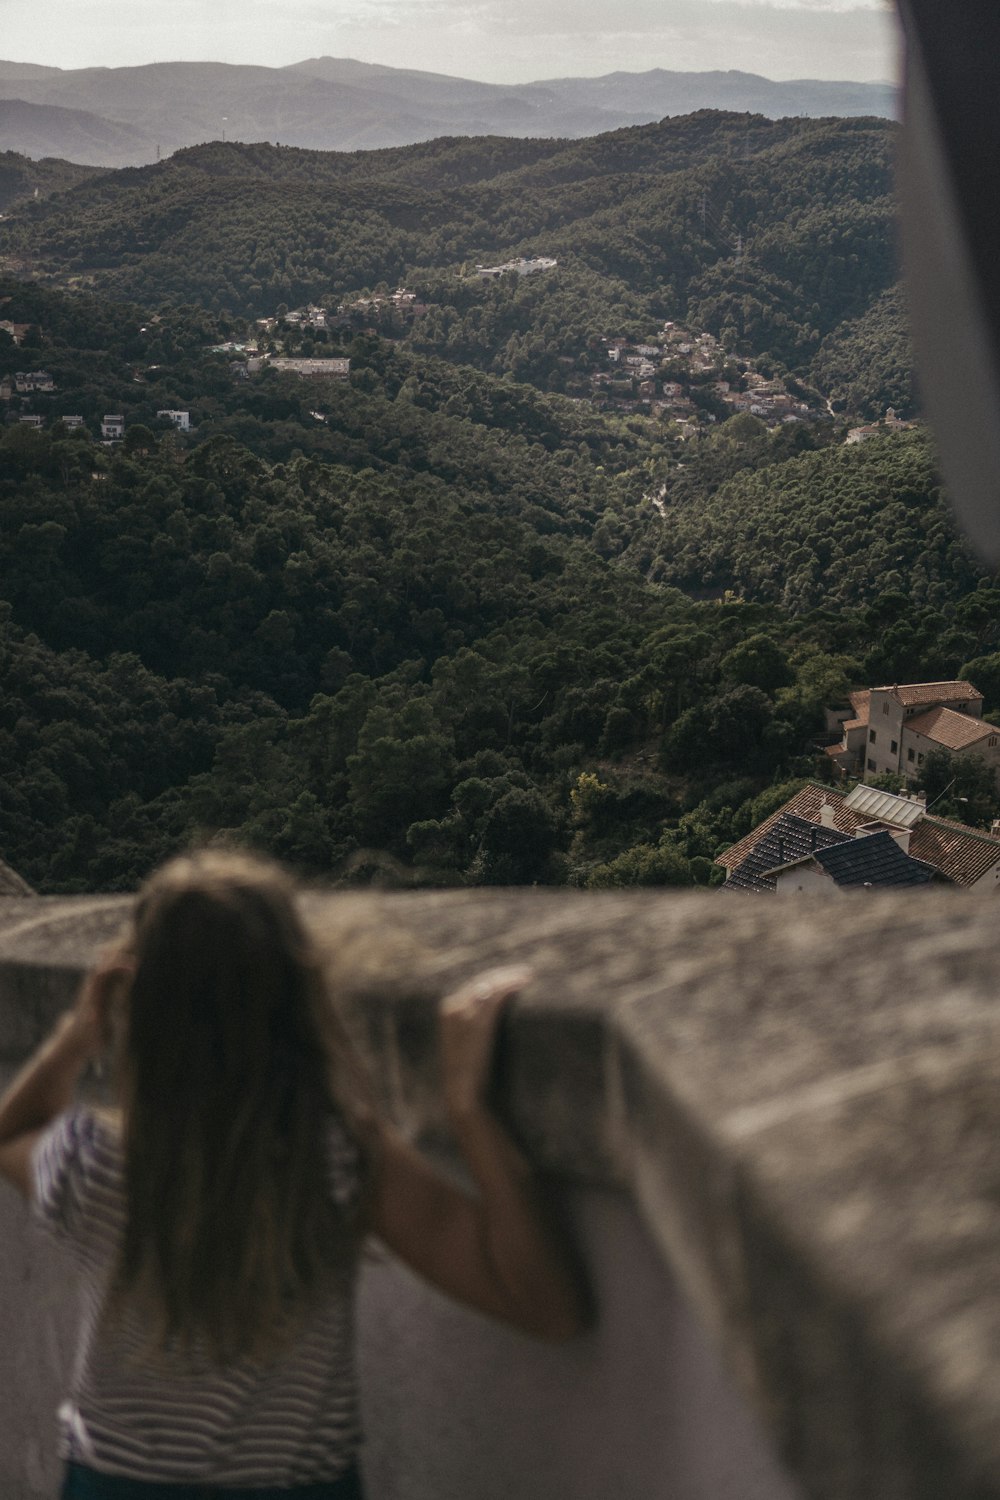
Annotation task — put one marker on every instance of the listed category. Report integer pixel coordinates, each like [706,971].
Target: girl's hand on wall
[88,1024]
[468,1020]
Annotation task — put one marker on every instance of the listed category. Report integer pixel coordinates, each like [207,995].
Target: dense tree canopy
[772,234]
[446,621]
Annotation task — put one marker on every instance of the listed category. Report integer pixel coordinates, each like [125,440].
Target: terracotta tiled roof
[953,730]
[963,854]
[805,804]
[911,694]
[859,700]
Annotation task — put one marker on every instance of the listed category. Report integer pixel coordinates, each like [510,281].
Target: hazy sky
[502,41]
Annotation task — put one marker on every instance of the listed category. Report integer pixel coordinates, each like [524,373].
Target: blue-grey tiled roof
[871,860]
[874,860]
[788,839]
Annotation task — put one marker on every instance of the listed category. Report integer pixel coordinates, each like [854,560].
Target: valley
[546,577]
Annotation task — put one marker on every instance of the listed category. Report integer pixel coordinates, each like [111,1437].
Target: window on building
[871,764]
[909,754]
[893,747]
[920,758]
[885,708]
[991,741]
[871,736]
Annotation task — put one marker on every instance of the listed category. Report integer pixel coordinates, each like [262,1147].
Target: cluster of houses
[36,423]
[40,382]
[402,302]
[825,840]
[889,423]
[310,316]
[645,375]
[112,423]
[763,398]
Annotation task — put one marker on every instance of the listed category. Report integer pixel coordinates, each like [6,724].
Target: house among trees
[823,839]
[313,316]
[890,423]
[112,427]
[892,730]
[524,265]
[28,381]
[180,419]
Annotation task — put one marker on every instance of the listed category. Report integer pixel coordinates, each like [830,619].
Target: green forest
[446,621]
[777,236]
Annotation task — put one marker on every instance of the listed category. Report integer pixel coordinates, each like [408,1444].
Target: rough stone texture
[457,1408]
[799,1099]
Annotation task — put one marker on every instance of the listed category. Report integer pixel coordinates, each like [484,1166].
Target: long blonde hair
[228,1050]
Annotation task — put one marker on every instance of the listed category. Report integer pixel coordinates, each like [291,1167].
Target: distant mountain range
[118,117]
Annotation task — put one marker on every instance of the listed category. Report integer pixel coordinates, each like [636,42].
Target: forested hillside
[866,363]
[828,529]
[771,235]
[437,666]
[432,623]
[21,179]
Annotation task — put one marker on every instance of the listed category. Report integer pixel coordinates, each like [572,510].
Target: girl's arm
[45,1085]
[499,1251]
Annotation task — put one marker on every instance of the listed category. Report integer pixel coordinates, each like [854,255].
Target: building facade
[891,730]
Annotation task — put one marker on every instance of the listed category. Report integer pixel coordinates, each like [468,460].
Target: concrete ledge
[801,1100]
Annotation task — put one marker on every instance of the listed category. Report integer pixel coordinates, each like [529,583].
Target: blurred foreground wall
[774,1127]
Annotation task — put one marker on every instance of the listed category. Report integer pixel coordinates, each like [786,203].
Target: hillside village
[394,449]
[679,376]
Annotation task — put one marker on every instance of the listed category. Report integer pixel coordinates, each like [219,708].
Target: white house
[180,419]
[33,380]
[524,265]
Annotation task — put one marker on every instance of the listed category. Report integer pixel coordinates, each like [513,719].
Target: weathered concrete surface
[800,1103]
[639,1407]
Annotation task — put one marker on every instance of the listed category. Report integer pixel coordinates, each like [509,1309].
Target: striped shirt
[186,1420]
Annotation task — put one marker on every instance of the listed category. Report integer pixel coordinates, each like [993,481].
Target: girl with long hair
[217,1212]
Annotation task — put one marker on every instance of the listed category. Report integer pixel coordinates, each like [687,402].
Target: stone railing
[774,1127]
